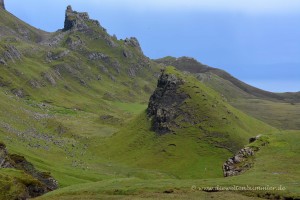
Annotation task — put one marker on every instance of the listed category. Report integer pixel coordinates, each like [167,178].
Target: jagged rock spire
[2,4]
[77,20]
[69,9]
[69,23]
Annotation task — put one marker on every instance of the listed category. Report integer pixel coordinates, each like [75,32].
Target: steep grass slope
[86,61]
[14,29]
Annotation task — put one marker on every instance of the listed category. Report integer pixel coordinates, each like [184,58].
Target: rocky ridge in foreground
[43,183]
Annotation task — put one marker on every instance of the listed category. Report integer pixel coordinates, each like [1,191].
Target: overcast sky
[258,41]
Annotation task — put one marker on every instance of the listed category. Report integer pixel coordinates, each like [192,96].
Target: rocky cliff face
[77,20]
[44,183]
[164,103]
[2,4]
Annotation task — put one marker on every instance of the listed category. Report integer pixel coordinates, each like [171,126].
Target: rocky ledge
[45,183]
[163,107]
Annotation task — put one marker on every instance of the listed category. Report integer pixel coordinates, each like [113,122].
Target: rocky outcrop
[18,92]
[2,4]
[116,66]
[133,42]
[2,61]
[5,161]
[243,160]
[11,53]
[98,56]
[44,183]
[55,40]
[56,56]
[238,163]
[164,104]
[77,20]
[127,54]
[75,43]
[49,78]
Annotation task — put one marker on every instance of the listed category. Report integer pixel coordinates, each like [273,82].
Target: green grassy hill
[277,109]
[66,63]
[207,131]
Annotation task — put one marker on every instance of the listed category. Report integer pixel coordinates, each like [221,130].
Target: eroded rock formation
[77,20]
[164,103]
[239,163]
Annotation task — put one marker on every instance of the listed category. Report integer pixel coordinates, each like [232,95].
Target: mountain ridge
[191,65]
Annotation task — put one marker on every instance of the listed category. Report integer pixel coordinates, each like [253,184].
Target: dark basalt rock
[2,4]
[77,20]
[164,103]
[253,139]
[45,183]
[19,162]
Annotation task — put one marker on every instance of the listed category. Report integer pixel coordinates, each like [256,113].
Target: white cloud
[250,6]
